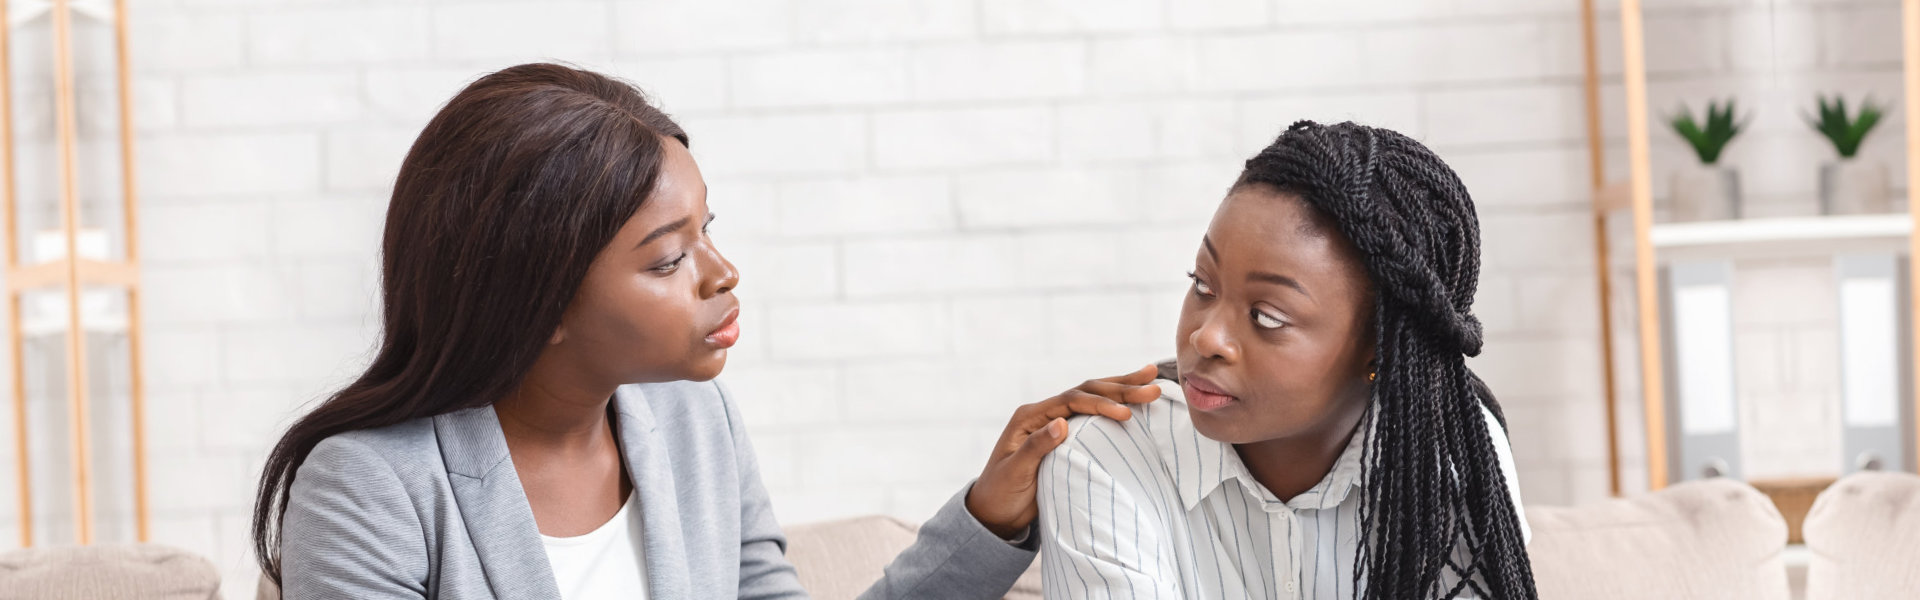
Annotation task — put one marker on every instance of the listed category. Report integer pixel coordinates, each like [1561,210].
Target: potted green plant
[1850,185]
[1711,192]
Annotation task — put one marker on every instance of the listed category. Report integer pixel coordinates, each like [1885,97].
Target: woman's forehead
[678,192]
[1263,221]
[1261,228]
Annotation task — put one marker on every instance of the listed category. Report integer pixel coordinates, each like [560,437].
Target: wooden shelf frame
[72,272]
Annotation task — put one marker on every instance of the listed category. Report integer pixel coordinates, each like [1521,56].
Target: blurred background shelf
[1783,236]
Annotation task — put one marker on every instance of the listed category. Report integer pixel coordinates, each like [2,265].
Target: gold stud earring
[1370,376]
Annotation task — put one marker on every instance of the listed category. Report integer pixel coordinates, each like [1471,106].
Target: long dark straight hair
[499,208]
[1433,481]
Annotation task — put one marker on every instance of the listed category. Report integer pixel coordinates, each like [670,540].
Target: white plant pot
[1708,193]
[1854,187]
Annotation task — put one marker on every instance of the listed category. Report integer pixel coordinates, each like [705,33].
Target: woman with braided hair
[1323,438]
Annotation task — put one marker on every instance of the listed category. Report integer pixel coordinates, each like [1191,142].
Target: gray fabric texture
[432,508]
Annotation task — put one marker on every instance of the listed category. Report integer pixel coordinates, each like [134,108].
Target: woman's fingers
[1003,498]
[1106,397]
[1073,402]
[1122,392]
[1026,460]
[1132,388]
[1085,403]
[1142,376]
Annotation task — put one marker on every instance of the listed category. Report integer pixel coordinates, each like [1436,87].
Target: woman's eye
[1266,321]
[669,267]
[1200,287]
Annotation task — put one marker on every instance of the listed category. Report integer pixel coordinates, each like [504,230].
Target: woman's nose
[723,276]
[1213,339]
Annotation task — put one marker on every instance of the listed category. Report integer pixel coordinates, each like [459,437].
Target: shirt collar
[1201,464]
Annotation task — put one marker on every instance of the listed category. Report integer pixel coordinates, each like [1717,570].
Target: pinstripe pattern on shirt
[1149,508]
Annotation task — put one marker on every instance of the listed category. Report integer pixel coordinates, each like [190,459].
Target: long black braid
[1436,500]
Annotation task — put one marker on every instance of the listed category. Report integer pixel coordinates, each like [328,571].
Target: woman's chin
[1218,427]
[709,367]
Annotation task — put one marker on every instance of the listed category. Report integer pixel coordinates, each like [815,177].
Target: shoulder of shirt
[1102,440]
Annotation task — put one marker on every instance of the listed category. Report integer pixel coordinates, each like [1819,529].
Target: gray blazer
[432,508]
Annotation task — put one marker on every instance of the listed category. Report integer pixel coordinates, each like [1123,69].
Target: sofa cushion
[1703,539]
[107,572]
[838,559]
[1706,540]
[1864,538]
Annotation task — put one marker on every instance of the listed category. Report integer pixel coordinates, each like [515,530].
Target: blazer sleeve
[350,530]
[954,558]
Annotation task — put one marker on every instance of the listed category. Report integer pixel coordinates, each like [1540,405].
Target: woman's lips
[1204,395]
[728,333]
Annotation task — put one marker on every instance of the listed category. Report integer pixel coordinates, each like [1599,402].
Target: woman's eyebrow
[1261,276]
[1277,279]
[663,230]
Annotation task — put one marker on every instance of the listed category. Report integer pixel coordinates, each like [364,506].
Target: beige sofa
[1863,535]
[1698,540]
[838,559]
[107,572]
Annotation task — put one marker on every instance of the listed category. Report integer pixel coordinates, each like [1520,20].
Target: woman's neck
[554,408]
[564,448]
[1290,466]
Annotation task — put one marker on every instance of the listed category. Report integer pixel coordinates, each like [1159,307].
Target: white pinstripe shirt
[1149,508]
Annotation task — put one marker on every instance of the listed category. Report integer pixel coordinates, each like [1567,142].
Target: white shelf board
[1785,236]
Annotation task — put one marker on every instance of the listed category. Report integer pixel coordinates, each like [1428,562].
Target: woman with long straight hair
[541,420]
[1323,437]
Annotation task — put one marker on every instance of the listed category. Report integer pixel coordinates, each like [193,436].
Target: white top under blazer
[605,563]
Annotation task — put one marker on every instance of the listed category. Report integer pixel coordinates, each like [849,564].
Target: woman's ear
[559,335]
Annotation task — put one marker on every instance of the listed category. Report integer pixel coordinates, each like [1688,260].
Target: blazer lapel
[650,464]
[494,507]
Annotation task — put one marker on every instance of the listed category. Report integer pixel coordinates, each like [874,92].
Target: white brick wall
[848,21]
[339,35]
[820,78]
[508,30]
[779,144]
[271,98]
[941,209]
[998,71]
[962,137]
[229,166]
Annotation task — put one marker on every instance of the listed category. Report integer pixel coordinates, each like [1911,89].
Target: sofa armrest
[1701,539]
[107,572]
